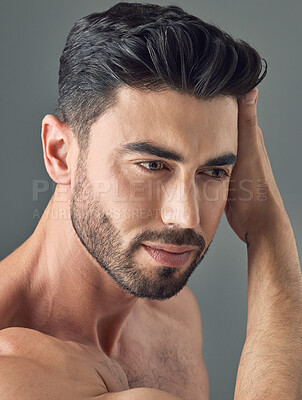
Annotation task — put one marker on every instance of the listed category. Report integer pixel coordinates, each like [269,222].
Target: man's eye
[156,166]
[153,166]
[218,173]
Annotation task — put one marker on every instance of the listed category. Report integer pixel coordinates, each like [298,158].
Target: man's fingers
[247,117]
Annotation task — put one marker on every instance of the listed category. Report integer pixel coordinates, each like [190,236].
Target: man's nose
[180,205]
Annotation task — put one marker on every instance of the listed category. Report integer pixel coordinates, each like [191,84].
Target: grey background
[33,34]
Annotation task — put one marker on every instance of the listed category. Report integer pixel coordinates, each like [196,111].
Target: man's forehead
[170,120]
[172,110]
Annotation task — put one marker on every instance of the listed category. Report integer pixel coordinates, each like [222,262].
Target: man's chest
[162,357]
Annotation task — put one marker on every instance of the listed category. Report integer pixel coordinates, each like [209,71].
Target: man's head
[148,95]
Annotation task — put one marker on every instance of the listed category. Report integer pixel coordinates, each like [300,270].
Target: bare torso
[155,350]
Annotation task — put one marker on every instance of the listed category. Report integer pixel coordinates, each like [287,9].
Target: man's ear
[56,142]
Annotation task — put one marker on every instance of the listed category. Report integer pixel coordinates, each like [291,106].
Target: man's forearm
[271,361]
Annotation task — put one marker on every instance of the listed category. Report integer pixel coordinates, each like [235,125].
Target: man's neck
[69,295]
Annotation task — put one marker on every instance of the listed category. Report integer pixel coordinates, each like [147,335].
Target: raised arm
[271,361]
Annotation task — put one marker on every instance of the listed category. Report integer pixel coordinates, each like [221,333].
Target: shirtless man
[90,307]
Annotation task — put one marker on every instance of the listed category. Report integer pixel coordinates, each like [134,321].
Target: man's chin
[163,289]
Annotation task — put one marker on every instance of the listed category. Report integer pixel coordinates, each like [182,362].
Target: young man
[155,137]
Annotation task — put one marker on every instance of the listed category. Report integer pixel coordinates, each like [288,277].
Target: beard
[103,240]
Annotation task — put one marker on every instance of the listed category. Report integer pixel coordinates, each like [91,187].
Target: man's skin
[90,335]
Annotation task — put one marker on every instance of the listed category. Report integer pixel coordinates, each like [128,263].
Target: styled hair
[148,47]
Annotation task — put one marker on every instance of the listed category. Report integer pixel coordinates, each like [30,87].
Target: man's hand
[271,361]
[254,199]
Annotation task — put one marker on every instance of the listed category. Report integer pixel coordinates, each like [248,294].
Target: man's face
[124,197]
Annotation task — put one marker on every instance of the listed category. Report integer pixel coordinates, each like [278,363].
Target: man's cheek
[214,193]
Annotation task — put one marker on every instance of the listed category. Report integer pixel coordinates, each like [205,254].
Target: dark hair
[148,47]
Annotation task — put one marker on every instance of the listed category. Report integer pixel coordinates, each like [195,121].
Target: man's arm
[34,366]
[271,361]
[24,379]
[139,394]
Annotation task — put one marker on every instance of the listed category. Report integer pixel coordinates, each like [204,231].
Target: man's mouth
[167,258]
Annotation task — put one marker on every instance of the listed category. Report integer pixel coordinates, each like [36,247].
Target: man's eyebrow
[224,159]
[152,149]
[162,152]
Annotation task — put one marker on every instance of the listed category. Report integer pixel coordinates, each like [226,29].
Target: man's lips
[166,258]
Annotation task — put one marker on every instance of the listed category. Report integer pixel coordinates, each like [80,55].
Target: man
[147,156]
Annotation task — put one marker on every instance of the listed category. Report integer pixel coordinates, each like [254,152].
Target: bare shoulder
[23,362]
[42,366]
[188,299]
[29,344]
[16,339]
